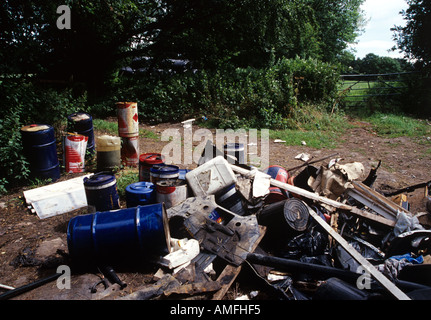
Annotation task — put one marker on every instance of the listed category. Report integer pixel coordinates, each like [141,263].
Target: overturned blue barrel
[101,192]
[119,235]
[40,150]
[140,193]
[82,123]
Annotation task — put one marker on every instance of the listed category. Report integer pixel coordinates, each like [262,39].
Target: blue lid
[98,179]
[165,169]
[140,187]
[156,168]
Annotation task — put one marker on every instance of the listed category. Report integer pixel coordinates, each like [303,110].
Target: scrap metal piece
[231,240]
[374,201]
[218,230]
[57,198]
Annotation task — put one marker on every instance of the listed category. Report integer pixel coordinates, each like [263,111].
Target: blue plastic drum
[110,236]
[40,150]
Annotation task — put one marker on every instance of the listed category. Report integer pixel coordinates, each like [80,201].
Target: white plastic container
[211,177]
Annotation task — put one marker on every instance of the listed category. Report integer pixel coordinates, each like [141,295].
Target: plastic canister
[40,150]
[211,177]
[82,123]
[146,161]
[122,235]
[101,192]
[108,153]
[140,193]
[164,172]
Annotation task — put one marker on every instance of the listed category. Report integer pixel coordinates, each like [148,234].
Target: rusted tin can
[127,113]
[146,162]
[171,192]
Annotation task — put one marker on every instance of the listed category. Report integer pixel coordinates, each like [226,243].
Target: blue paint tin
[40,150]
[110,236]
[164,172]
[101,192]
[140,194]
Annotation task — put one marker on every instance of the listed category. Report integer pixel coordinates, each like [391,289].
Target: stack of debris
[322,234]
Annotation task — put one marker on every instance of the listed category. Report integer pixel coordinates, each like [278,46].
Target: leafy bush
[26,103]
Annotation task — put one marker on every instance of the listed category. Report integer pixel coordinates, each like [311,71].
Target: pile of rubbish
[322,234]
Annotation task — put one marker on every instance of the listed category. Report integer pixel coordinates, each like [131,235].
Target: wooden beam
[376,274]
[313,196]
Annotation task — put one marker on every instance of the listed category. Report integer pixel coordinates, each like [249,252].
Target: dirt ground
[31,248]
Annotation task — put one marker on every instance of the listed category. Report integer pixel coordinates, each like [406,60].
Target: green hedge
[230,98]
[246,97]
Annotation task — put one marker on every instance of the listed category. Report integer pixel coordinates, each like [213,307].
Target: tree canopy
[414,38]
[106,35]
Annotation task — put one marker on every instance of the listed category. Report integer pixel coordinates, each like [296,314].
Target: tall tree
[414,38]
[108,34]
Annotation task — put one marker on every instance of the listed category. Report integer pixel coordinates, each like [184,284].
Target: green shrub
[27,103]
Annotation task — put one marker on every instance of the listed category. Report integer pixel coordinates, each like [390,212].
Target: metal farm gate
[360,88]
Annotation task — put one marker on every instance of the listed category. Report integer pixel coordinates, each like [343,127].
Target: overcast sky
[381,16]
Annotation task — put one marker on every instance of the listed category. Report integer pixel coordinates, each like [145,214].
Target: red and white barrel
[130,151]
[75,146]
[127,113]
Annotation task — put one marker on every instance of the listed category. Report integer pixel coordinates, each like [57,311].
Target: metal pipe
[28,287]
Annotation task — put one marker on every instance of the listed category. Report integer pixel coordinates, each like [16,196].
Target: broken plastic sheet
[57,198]
[406,222]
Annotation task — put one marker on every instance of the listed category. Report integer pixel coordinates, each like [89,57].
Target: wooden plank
[376,274]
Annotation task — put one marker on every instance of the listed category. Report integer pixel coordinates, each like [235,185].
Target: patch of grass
[124,178]
[110,127]
[398,125]
[314,125]
[148,134]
